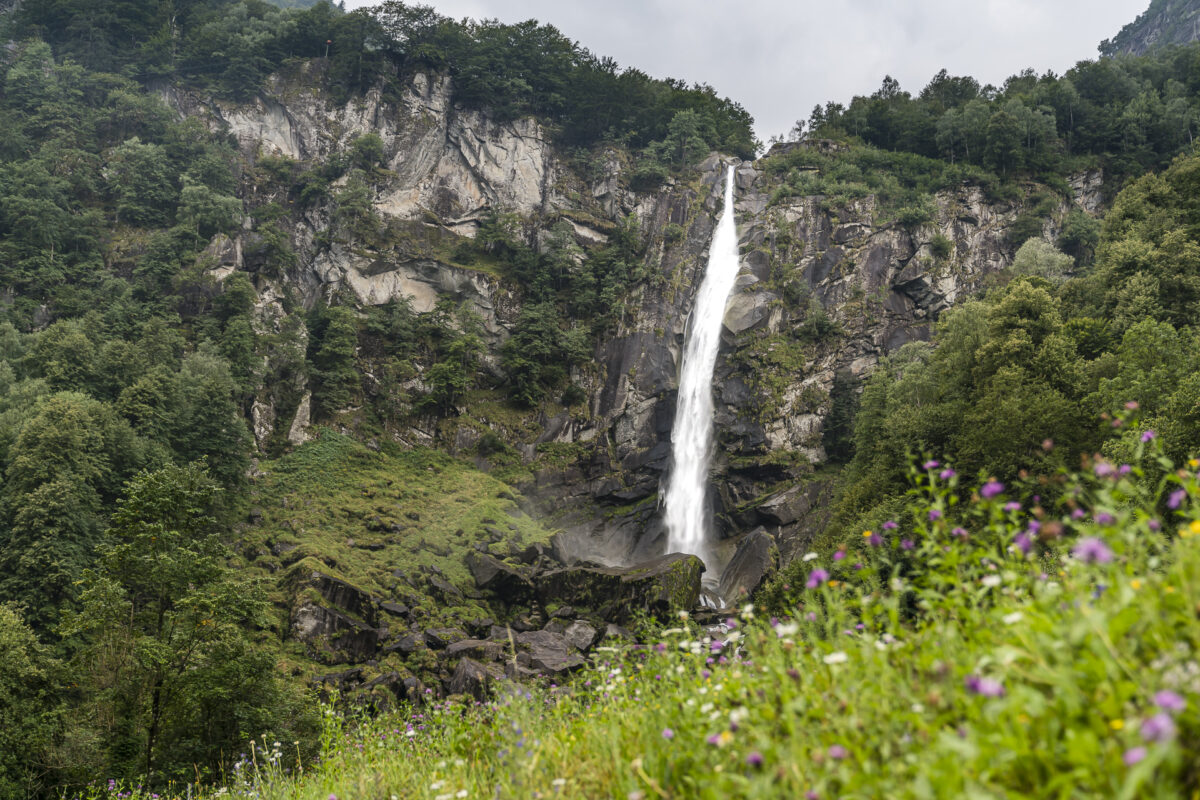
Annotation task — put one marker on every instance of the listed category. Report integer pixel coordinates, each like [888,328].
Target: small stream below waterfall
[687,509]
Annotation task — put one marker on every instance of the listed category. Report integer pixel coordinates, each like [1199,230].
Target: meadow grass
[995,647]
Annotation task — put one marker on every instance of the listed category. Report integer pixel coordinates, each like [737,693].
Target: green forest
[143,642]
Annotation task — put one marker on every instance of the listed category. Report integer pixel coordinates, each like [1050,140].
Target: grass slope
[380,520]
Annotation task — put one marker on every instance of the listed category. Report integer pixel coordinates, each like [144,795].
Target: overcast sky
[780,58]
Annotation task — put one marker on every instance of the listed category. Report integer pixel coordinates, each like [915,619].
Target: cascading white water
[686,496]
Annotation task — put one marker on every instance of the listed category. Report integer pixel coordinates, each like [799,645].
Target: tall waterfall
[686,496]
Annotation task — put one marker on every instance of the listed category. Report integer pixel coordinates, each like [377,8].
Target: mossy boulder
[667,584]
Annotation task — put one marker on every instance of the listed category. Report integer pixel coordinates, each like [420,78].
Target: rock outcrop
[664,585]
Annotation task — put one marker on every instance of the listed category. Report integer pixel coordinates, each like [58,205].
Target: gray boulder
[666,584]
[754,561]
[334,637]
[581,635]
[471,678]
[547,652]
[505,581]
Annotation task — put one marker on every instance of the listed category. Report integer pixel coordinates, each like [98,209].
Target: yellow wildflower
[1116,724]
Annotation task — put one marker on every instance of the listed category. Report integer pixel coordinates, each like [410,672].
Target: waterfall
[686,504]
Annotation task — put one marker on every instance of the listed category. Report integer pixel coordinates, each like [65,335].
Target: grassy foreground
[992,647]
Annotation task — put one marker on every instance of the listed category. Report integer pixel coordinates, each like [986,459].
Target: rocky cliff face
[1164,23]
[825,291]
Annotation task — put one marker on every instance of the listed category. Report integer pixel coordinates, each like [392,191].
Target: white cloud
[779,58]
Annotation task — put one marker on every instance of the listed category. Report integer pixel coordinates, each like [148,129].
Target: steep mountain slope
[1165,22]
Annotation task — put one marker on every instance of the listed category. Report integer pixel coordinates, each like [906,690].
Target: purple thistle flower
[947,474]
[716,646]
[731,623]
[816,578]
[754,758]
[1104,518]
[660,648]
[890,526]
[934,515]
[1176,498]
[987,687]
[714,740]
[1023,542]
[838,753]
[874,540]
[960,533]
[811,795]
[1133,755]
[1124,469]
[991,489]
[1154,525]
[1158,728]
[839,555]
[857,566]
[931,465]
[1102,469]
[907,544]
[1170,701]
[1013,506]
[668,734]
[1078,514]
[1148,436]
[1091,550]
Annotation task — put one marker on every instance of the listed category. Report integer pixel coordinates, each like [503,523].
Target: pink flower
[668,734]
[1158,728]
[1091,550]
[987,687]
[838,753]
[991,489]
[1134,755]
[1170,701]
[816,578]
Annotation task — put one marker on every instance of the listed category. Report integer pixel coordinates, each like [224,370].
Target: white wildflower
[810,556]
[836,658]
[992,581]
[787,629]
[1013,618]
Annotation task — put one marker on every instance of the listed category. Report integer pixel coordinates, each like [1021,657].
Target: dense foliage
[1126,115]
[1023,378]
